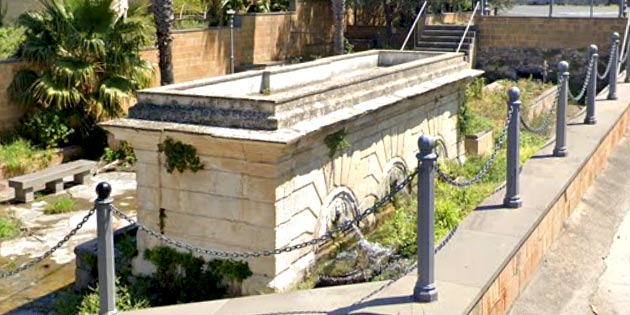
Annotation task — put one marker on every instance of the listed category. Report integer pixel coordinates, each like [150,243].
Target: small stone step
[445,27]
[448,39]
[442,44]
[448,33]
[441,49]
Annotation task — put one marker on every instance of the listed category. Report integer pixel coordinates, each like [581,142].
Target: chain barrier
[347,226]
[589,72]
[610,58]
[543,127]
[409,269]
[49,252]
[484,170]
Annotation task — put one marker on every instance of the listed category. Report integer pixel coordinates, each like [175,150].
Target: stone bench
[52,177]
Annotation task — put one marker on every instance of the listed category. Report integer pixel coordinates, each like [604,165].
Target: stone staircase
[446,38]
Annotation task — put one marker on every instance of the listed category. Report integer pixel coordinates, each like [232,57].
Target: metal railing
[472,17]
[413,26]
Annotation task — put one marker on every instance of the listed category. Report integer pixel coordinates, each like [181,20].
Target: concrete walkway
[587,270]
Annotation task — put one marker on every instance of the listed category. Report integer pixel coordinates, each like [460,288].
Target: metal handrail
[415,22]
[623,45]
[472,16]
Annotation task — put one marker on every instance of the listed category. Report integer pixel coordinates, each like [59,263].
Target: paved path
[587,270]
[562,11]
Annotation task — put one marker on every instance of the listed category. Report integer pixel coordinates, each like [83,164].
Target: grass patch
[21,157]
[60,205]
[9,227]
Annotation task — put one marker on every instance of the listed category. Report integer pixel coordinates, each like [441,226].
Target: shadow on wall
[17,7]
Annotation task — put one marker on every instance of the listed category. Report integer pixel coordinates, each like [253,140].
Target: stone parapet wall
[512,47]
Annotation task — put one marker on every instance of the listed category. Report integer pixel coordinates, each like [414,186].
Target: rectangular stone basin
[271,178]
[281,96]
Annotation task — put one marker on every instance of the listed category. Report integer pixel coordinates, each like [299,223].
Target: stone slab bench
[51,177]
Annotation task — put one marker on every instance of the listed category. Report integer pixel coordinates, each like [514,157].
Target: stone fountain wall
[258,195]
[267,189]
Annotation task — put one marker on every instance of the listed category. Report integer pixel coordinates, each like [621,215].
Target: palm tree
[164,15]
[339,10]
[84,60]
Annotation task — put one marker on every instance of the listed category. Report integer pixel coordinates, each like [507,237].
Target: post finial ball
[563,66]
[593,49]
[514,94]
[103,190]
[615,36]
[426,143]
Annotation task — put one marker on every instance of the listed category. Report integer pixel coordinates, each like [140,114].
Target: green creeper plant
[180,156]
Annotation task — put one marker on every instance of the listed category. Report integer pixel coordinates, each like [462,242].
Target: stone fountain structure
[271,177]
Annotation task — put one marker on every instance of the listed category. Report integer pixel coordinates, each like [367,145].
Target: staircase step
[423,44]
[438,49]
[448,33]
[448,39]
[445,27]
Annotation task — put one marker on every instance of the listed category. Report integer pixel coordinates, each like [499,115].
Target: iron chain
[497,147]
[589,72]
[610,57]
[49,252]
[347,226]
[543,127]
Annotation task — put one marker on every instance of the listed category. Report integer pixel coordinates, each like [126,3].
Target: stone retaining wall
[512,47]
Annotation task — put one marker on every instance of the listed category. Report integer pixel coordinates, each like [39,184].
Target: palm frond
[39,50]
[112,92]
[50,93]
[74,72]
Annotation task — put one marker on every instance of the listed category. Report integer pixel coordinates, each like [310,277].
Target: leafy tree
[84,62]
[163,13]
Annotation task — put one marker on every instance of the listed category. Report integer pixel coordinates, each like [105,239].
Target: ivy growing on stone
[336,142]
[180,156]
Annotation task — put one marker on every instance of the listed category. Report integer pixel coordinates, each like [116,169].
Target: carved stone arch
[340,204]
[394,172]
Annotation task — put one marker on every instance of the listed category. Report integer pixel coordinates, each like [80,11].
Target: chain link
[589,72]
[543,127]
[610,58]
[497,147]
[345,227]
[47,254]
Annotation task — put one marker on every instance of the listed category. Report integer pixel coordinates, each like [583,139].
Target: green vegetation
[180,156]
[9,227]
[69,302]
[204,13]
[336,142]
[123,153]
[47,129]
[84,63]
[19,157]
[60,205]
[11,37]
[183,278]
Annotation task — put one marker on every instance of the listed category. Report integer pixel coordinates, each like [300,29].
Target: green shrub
[183,278]
[69,302]
[20,157]
[46,128]
[124,153]
[11,38]
[9,227]
[60,205]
